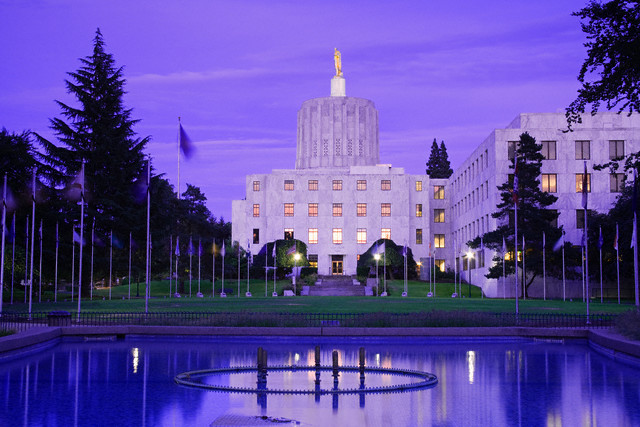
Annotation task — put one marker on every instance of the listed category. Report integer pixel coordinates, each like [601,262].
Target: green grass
[5,333]
[416,302]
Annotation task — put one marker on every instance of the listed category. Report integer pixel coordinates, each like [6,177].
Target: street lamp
[469,257]
[377,257]
[296,258]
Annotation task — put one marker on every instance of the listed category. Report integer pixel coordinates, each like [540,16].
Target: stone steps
[336,286]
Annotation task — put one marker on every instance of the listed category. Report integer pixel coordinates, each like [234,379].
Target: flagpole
[55,287]
[148,266]
[266,269]
[222,254]
[213,269]
[618,263]
[275,257]
[81,241]
[110,263]
[177,257]
[93,230]
[129,277]
[586,261]
[455,265]
[384,268]
[4,229]
[33,232]
[190,262]
[635,258]
[13,252]
[178,160]
[73,259]
[544,268]
[199,263]
[39,267]
[504,275]
[564,283]
[524,272]
[582,265]
[515,242]
[430,285]
[248,256]
[600,245]
[238,296]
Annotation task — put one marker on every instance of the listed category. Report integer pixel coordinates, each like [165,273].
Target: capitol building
[340,198]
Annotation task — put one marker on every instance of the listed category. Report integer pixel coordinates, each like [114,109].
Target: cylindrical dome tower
[337,132]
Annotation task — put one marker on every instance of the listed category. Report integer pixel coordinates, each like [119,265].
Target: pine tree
[444,166]
[434,159]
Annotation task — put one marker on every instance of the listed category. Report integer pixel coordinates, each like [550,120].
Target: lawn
[416,302]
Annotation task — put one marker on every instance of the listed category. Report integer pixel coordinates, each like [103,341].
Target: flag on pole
[585,187]
[222,250]
[404,250]
[292,250]
[177,246]
[273,252]
[190,248]
[382,248]
[615,241]
[544,241]
[515,179]
[504,246]
[76,238]
[481,244]
[40,230]
[199,247]
[634,233]
[600,239]
[559,244]
[185,143]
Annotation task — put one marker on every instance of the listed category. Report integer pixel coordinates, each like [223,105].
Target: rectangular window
[438,215]
[616,182]
[580,218]
[313,236]
[313,209]
[549,150]
[418,185]
[337,236]
[440,265]
[419,210]
[256,210]
[313,260]
[385,209]
[511,149]
[361,185]
[579,180]
[288,209]
[385,233]
[337,185]
[361,209]
[385,185]
[554,214]
[288,185]
[583,150]
[418,236]
[616,150]
[549,181]
[256,185]
[256,236]
[438,240]
[337,209]
[288,234]
[438,192]
[361,235]
[313,185]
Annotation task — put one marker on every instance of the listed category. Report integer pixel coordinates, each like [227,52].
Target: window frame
[336,236]
[361,185]
[312,236]
[580,149]
[289,209]
[385,185]
[548,177]
[289,185]
[312,209]
[312,185]
[361,209]
[385,209]
[336,185]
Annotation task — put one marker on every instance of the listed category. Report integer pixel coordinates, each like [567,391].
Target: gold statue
[337,59]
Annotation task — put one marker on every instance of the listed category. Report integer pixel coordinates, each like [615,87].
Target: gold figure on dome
[337,59]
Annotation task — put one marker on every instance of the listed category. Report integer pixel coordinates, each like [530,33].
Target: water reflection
[128,382]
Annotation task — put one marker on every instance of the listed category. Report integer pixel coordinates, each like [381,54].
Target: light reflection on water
[500,382]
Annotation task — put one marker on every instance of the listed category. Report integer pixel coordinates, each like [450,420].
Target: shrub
[628,324]
[307,271]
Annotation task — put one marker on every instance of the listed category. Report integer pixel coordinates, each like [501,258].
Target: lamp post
[469,258]
[377,257]
[296,258]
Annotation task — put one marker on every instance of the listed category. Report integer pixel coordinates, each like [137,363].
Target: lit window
[616,150]
[288,209]
[313,235]
[438,215]
[313,260]
[511,149]
[549,150]
[337,209]
[418,236]
[362,235]
[438,192]
[438,240]
[256,210]
[385,185]
[361,184]
[337,236]
[583,151]
[579,182]
[256,236]
[313,209]
[385,209]
[288,185]
[418,185]
[361,209]
[549,182]
[385,233]
[337,185]
[288,234]
[256,185]
[313,185]
[617,182]
[440,265]
[419,210]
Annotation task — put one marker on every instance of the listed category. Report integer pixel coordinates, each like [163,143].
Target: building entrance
[336,265]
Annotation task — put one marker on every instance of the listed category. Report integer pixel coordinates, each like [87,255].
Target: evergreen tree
[434,158]
[533,219]
[444,166]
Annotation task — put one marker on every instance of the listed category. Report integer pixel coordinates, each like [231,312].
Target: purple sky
[237,72]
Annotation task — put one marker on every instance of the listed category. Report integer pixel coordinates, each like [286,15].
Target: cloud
[200,76]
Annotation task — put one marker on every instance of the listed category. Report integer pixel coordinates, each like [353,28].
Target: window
[579,180]
[361,235]
[438,240]
[549,150]
[438,192]
[440,265]
[385,185]
[583,151]
[554,214]
[256,236]
[337,185]
[438,215]
[313,209]
[361,209]
[256,185]
[385,209]
[361,185]
[418,236]
[288,234]
[288,209]
[419,210]
[313,260]
[418,185]
[511,149]
[616,150]
[616,182]
[337,209]
[288,185]
[549,182]
[313,185]
[313,236]
[256,210]
[337,236]
[385,233]
[580,218]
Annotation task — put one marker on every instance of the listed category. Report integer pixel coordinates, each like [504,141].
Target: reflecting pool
[497,382]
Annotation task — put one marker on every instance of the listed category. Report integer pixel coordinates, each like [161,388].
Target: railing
[22,321]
